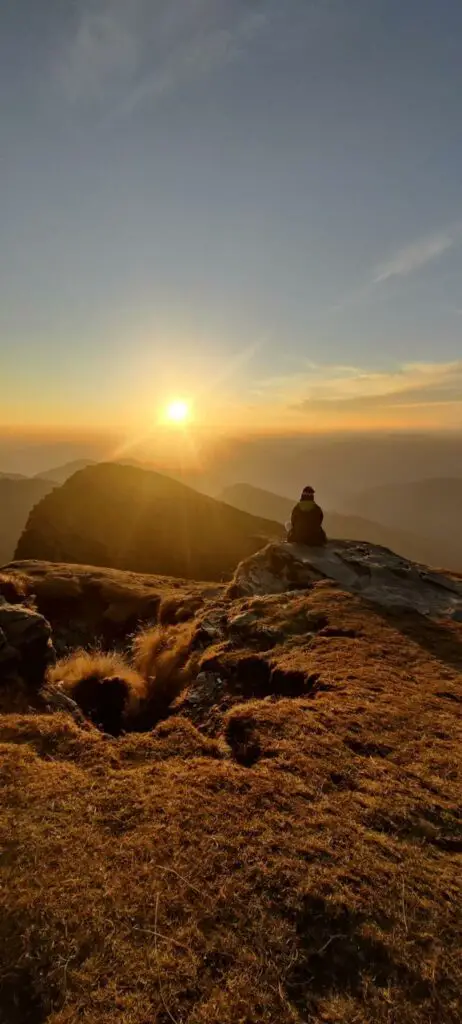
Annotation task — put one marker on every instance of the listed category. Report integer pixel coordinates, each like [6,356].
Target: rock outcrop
[372,572]
[26,647]
[408,538]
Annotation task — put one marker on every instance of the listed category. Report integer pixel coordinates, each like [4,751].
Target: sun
[178,411]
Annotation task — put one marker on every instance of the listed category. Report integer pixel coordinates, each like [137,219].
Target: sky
[254,206]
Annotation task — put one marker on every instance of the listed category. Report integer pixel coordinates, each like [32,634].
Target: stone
[245,620]
[56,700]
[212,627]
[206,689]
[371,571]
[26,648]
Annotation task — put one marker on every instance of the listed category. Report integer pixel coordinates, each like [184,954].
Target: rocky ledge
[372,572]
[26,648]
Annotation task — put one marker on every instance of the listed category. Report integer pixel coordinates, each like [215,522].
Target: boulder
[369,570]
[26,647]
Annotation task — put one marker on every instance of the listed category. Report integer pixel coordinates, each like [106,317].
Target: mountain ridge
[129,518]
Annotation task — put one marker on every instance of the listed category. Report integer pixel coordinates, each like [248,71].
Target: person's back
[306,521]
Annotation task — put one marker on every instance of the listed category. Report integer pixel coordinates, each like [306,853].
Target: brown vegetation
[164,656]
[14,587]
[118,695]
[85,604]
[299,861]
[107,690]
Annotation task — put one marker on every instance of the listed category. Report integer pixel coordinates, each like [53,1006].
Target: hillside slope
[128,518]
[17,498]
[406,542]
[283,847]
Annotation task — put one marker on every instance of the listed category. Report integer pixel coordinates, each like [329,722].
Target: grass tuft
[108,691]
[163,656]
[14,587]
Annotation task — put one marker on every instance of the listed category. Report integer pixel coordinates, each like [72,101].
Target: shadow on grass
[443,641]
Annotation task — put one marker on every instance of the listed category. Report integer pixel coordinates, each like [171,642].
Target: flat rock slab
[371,571]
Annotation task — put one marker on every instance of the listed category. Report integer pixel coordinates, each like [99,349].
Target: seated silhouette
[306,521]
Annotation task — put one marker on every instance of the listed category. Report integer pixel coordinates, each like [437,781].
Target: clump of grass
[118,696]
[175,609]
[241,733]
[163,656]
[14,587]
[109,692]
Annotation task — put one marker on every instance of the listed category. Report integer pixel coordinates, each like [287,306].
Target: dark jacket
[306,526]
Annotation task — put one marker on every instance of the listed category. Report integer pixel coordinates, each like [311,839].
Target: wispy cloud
[326,393]
[204,52]
[407,260]
[101,53]
[413,257]
[130,53]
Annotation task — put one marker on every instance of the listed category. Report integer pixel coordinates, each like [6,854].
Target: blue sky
[255,205]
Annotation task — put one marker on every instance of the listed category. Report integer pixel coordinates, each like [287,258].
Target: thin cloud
[206,51]
[417,255]
[333,385]
[131,53]
[102,53]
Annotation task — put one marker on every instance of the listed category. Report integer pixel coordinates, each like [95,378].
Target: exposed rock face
[368,570]
[26,649]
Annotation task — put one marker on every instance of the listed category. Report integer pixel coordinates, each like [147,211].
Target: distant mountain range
[17,498]
[17,501]
[409,535]
[129,518]
[420,520]
[13,476]
[430,507]
[339,466]
[58,474]
[19,494]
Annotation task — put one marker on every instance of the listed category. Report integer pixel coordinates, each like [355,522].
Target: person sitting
[306,521]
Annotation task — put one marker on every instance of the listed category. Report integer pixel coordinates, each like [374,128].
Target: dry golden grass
[164,658]
[89,664]
[171,877]
[118,696]
[14,587]
[162,650]
[105,687]
[83,602]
